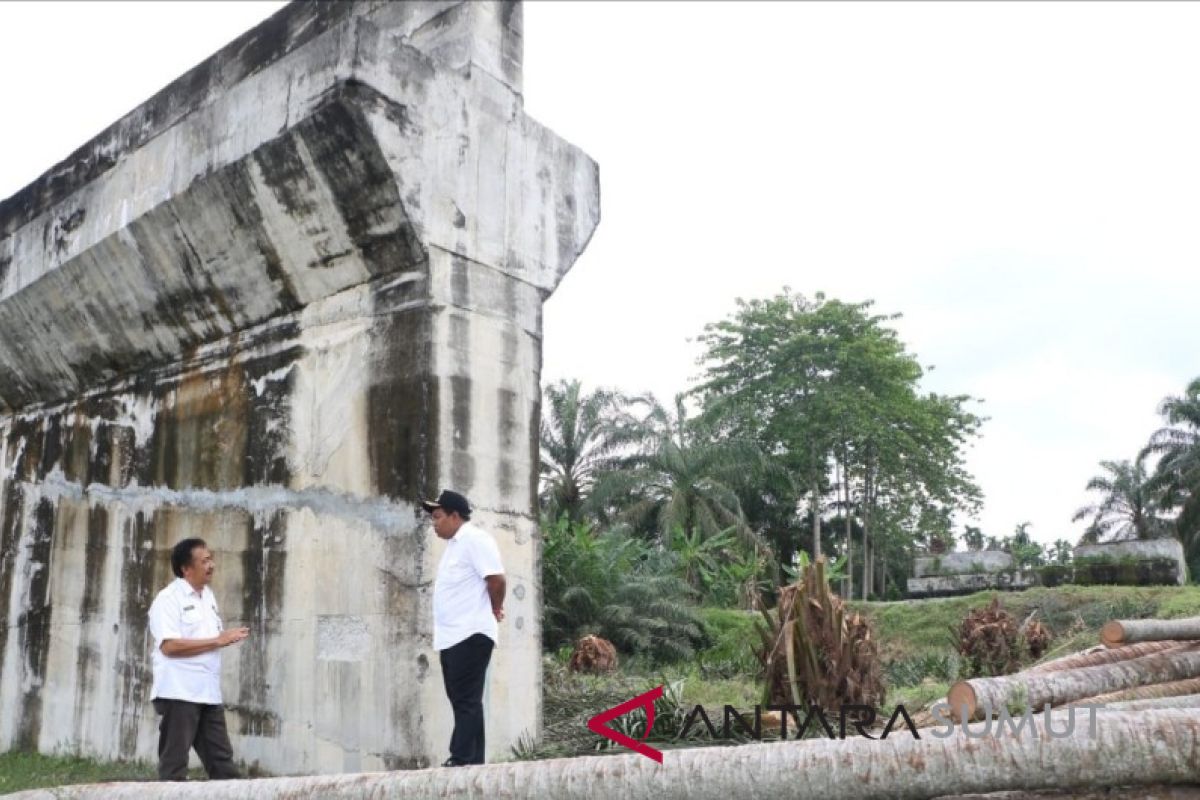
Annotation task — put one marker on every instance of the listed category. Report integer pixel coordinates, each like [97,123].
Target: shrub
[617,587]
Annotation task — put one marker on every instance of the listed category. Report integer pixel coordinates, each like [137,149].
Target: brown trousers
[186,725]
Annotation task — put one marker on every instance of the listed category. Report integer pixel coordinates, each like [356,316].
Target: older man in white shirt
[188,636]
[468,604]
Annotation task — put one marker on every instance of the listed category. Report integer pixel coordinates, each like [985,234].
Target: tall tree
[1128,506]
[1176,478]
[581,436]
[680,477]
[821,383]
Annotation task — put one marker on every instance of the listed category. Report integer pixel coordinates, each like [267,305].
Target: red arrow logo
[599,723]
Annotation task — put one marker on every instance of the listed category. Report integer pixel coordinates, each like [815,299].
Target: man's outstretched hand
[232,636]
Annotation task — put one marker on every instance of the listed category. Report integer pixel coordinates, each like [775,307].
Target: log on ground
[1151,692]
[1095,656]
[1037,689]
[1130,631]
[1125,750]
[1112,793]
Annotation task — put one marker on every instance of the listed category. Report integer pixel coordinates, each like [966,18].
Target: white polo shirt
[461,605]
[180,612]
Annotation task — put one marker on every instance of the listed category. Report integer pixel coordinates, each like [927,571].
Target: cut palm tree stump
[1037,638]
[1036,689]
[593,654]
[1095,656]
[1146,748]
[1128,631]
[814,652]
[988,640]
[1151,692]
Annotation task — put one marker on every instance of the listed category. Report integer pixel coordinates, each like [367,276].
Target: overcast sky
[1021,181]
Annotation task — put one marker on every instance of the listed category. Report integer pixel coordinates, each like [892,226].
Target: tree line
[807,433]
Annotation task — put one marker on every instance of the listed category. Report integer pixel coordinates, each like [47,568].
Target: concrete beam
[291,294]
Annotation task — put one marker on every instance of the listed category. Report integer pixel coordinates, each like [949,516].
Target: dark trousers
[464,667]
[186,725]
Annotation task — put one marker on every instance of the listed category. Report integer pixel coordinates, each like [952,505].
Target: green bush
[617,587]
[730,642]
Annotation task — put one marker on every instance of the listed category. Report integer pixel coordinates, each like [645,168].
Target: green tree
[1176,478]
[827,388]
[680,477]
[617,587]
[1025,551]
[973,538]
[581,436]
[1128,507]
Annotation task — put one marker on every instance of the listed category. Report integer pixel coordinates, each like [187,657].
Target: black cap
[449,501]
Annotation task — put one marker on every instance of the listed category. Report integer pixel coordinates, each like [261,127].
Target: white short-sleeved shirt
[461,605]
[180,612]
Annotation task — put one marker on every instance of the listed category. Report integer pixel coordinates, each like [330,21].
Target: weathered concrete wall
[274,306]
[965,572]
[1166,550]
[962,563]
[948,585]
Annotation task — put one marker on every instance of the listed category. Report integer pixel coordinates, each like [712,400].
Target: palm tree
[616,587]
[580,437]
[1128,508]
[681,477]
[1176,479]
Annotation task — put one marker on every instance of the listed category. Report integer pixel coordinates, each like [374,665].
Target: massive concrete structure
[275,305]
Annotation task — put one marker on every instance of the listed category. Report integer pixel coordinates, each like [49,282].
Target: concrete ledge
[962,563]
[1152,549]
[945,585]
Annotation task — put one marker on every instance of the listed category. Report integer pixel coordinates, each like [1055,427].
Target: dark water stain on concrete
[363,185]
[462,463]
[239,193]
[135,678]
[33,627]
[77,447]
[402,407]
[208,419]
[99,465]
[25,438]
[268,412]
[460,411]
[95,553]
[12,516]
[52,447]
[460,281]
[87,667]
[506,432]
[264,562]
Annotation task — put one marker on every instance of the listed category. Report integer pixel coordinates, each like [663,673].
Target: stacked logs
[1139,662]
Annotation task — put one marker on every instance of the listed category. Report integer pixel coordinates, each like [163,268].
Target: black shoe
[453,762]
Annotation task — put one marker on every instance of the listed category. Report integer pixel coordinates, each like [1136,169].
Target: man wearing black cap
[468,602]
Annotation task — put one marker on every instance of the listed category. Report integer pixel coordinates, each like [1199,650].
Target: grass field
[20,771]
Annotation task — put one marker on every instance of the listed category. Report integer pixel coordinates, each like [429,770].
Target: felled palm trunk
[1128,631]
[1098,655]
[1151,692]
[1182,701]
[1125,750]
[1064,686]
